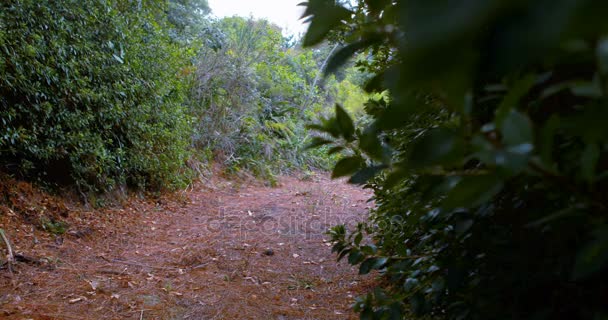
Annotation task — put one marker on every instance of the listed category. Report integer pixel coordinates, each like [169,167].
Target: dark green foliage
[89,94]
[109,94]
[492,203]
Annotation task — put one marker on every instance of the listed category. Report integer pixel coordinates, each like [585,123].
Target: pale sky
[284,13]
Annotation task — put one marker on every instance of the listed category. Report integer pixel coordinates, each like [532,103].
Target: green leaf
[316,126]
[345,123]
[363,175]
[341,56]
[410,284]
[343,253]
[369,249]
[472,191]
[517,129]
[358,238]
[511,99]
[366,266]
[371,264]
[317,142]
[324,16]
[355,257]
[347,166]
[440,146]
[370,143]
[395,177]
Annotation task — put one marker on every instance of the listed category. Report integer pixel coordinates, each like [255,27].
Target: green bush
[487,159]
[253,97]
[90,93]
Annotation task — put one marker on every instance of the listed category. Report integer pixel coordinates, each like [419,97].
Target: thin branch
[10,256]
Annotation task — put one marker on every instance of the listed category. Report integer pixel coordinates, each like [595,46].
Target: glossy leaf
[326,15]
[343,55]
[345,123]
[439,146]
[372,264]
[472,191]
[347,166]
[365,174]
[517,129]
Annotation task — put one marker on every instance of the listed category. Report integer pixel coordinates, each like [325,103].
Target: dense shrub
[253,96]
[91,93]
[487,159]
[107,94]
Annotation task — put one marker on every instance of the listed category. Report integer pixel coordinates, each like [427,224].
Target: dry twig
[9,256]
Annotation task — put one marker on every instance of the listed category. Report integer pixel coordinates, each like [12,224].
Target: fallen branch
[10,257]
[26,259]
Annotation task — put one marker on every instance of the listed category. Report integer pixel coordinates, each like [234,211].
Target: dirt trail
[222,252]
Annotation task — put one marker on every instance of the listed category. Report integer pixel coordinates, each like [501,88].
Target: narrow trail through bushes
[219,251]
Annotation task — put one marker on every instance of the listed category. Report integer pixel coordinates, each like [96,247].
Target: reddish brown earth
[223,250]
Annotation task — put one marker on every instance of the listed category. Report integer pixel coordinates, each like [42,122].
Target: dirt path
[227,252]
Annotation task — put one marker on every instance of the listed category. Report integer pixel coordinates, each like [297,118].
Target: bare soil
[223,250]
